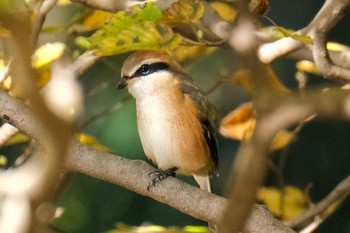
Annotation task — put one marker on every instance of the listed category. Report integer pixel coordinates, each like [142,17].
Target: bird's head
[145,72]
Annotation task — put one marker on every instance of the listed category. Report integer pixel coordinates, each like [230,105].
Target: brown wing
[206,116]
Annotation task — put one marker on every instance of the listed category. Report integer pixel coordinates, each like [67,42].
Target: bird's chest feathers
[166,121]
[158,116]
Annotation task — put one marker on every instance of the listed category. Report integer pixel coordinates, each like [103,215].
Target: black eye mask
[147,69]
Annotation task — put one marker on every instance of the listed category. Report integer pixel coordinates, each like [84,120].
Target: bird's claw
[160,175]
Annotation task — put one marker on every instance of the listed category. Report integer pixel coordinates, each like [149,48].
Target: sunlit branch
[6,132]
[328,16]
[31,182]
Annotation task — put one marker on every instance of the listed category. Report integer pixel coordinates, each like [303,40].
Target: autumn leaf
[286,203]
[336,47]
[43,56]
[47,53]
[307,66]
[271,82]
[183,12]
[123,228]
[283,32]
[225,11]
[239,124]
[3,161]
[184,53]
[282,139]
[96,19]
[90,141]
[17,139]
[137,28]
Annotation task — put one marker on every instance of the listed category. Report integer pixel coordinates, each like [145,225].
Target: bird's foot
[160,175]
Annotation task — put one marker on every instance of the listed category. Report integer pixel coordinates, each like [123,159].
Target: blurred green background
[321,155]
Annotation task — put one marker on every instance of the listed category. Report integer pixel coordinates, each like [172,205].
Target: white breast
[156,128]
[170,132]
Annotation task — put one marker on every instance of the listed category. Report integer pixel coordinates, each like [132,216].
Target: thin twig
[43,8]
[334,199]
[106,112]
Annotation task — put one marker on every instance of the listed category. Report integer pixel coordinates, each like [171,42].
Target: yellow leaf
[5,79]
[47,53]
[307,66]
[225,11]
[123,228]
[90,141]
[333,46]
[6,84]
[17,139]
[4,32]
[183,12]
[195,229]
[283,32]
[287,203]
[239,124]
[44,76]
[282,139]
[63,2]
[96,19]
[183,53]
[3,161]
[271,82]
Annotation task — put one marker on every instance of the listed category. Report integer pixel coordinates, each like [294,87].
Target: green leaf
[137,28]
[82,42]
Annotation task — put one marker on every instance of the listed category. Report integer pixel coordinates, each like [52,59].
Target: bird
[174,118]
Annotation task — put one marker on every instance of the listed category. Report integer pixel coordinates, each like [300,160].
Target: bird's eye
[145,69]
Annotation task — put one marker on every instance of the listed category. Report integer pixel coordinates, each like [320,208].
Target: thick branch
[133,175]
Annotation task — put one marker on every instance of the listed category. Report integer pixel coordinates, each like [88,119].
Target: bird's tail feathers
[204,182]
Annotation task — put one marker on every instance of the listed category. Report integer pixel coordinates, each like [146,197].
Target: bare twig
[335,198]
[43,8]
[106,112]
[84,62]
[329,15]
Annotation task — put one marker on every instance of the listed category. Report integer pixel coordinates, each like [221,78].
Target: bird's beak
[122,83]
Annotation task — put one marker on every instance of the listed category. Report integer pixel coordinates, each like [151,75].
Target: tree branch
[133,175]
[337,196]
[328,16]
